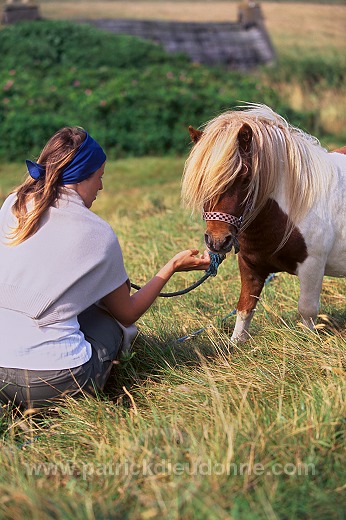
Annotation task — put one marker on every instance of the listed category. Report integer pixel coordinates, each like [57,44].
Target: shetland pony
[273,193]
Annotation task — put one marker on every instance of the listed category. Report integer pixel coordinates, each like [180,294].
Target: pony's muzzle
[222,245]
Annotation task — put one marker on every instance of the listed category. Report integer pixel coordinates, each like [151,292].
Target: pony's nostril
[228,243]
[211,244]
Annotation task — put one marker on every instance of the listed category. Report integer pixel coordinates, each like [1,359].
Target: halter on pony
[224,217]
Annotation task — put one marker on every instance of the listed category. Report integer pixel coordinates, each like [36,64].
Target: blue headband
[88,158]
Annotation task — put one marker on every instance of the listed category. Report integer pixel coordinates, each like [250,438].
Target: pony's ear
[244,138]
[195,134]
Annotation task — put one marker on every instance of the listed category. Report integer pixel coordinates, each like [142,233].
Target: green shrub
[312,70]
[42,45]
[129,93]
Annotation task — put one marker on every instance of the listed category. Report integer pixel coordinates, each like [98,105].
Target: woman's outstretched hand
[127,308]
[189,261]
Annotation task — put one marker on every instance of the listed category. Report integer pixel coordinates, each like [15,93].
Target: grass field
[195,429]
[189,429]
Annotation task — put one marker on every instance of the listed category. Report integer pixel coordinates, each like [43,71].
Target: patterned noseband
[223,217]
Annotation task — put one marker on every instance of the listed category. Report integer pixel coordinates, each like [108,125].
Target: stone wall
[14,12]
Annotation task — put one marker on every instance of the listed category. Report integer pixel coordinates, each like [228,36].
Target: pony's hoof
[242,338]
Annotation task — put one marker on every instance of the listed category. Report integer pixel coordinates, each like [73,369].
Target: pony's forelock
[213,164]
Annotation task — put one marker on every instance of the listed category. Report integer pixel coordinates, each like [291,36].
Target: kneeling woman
[65,306]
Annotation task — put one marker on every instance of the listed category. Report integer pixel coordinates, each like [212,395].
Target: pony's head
[240,160]
[224,212]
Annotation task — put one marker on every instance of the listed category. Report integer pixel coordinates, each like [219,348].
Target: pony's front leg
[310,274]
[251,287]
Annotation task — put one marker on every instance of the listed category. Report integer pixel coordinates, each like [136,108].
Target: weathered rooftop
[233,45]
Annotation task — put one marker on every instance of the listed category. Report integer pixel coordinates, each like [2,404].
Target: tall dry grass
[193,429]
[189,429]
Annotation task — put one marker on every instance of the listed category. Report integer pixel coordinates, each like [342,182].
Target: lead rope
[215,260]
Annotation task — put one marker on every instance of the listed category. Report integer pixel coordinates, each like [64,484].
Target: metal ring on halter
[224,217]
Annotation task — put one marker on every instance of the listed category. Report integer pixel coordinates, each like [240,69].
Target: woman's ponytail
[36,196]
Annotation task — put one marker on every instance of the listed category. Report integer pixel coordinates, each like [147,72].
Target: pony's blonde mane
[283,158]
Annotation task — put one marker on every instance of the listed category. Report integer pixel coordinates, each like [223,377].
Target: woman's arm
[127,308]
